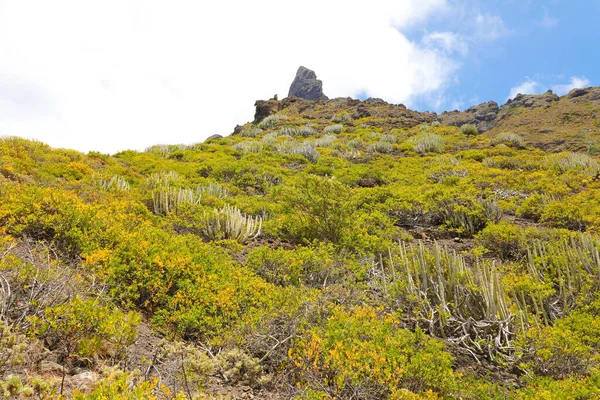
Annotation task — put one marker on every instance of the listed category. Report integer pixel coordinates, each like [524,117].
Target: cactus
[229,223]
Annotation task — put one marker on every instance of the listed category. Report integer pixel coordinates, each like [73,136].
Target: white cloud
[527,87]
[448,42]
[548,21]
[575,83]
[123,74]
[489,27]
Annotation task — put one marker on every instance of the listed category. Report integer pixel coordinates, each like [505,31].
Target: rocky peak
[532,100]
[306,85]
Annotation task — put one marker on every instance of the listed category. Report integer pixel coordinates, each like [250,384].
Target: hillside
[330,249]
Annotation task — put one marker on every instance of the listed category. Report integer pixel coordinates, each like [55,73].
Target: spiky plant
[116,182]
[325,141]
[334,128]
[341,118]
[306,131]
[289,131]
[251,132]
[162,179]
[229,223]
[511,138]
[380,147]
[427,143]
[444,295]
[248,147]
[271,121]
[573,161]
[212,190]
[167,200]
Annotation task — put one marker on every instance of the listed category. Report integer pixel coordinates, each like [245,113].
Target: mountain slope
[330,249]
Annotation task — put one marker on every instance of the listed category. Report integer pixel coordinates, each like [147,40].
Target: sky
[111,75]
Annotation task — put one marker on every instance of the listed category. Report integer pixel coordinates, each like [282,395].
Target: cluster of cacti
[356,144]
[304,149]
[450,299]
[566,270]
[341,118]
[380,147]
[289,131]
[212,189]
[566,161]
[270,137]
[168,199]
[469,216]
[271,121]
[248,147]
[162,179]
[334,128]
[325,141]
[116,182]
[251,132]
[390,138]
[229,223]
[306,131]
[509,138]
[427,143]
[349,154]
[165,150]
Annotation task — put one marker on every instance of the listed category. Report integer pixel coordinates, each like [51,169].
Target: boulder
[84,381]
[213,137]
[306,85]
[50,367]
[264,108]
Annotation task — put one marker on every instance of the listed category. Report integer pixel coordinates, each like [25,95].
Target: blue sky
[544,44]
[127,74]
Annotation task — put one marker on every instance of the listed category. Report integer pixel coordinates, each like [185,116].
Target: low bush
[469,129]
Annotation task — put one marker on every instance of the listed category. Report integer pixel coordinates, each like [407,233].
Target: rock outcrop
[591,94]
[264,108]
[532,100]
[307,86]
[483,116]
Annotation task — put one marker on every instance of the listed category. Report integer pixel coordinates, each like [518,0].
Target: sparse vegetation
[393,258]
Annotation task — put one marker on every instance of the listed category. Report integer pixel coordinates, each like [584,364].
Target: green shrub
[554,351]
[504,240]
[358,351]
[466,214]
[318,208]
[469,129]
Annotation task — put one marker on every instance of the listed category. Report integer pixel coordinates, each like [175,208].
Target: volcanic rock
[306,85]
